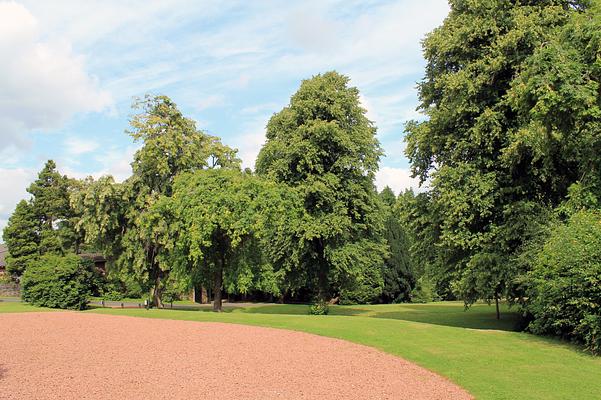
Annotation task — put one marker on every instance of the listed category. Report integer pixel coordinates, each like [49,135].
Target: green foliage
[319,308]
[20,235]
[398,268]
[424,291]
[172,144]
[512,105]
[44,224]
[112,293]
[57,282]
[323,145]
[123,219]
[565,296]
[50,203]
[219,217]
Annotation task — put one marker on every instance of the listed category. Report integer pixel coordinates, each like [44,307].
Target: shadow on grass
[288,309]
[463,319]
[479,316]
[175,308]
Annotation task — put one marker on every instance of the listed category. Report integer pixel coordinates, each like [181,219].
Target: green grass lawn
[469,347]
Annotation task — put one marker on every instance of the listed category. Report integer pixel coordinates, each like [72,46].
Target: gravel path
[72,355]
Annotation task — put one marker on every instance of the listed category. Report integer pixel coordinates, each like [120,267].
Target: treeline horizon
[307,225]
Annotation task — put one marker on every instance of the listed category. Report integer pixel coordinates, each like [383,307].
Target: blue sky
[70,70]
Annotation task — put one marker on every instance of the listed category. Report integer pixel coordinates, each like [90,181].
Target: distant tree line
[307,225]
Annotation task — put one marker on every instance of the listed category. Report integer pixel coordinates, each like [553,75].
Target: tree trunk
[322,275]
[217,302]
[497,305]
[156,293]
[204,296]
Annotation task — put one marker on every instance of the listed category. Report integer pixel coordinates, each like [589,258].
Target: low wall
[10,290]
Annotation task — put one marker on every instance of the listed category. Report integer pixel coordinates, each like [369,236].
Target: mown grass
[471,348]
[479,316]
[13,307]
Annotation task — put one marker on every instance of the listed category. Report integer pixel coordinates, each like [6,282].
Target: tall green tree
[21,237]
[398,269]
[44,224]
[323,145]
[50,203]
[133,234]
[219,217]
[493,162]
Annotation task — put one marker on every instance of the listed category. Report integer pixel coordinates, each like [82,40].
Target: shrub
[565,291]
[58,282]
[319,308]
[424,291]
[112,292]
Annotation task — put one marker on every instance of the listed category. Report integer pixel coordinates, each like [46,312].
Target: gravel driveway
[70,355]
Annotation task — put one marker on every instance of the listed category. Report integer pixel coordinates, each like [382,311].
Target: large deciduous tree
[323,145]
[218,219]
[124,222]
[498,143]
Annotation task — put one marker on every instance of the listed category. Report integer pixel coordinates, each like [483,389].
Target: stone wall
[10,290]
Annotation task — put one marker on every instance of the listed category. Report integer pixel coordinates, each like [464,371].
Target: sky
[71,69]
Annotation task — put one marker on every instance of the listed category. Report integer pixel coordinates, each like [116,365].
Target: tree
[21,237]
[565,295]
[323,145]
[50,203]
[218,218]
[398,270]
[132,234]
[494,149]
[44,224]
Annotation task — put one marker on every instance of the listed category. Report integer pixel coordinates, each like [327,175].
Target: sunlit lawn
[469,347]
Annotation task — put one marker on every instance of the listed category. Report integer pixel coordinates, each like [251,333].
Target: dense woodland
[508,153]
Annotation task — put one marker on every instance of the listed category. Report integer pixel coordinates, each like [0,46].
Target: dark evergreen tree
[398,270]
[22,239]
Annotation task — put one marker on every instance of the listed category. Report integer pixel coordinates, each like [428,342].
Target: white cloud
[251,144]
[13,189]
[117,162]
[78,146]
[215,100]
[113,161]
[398,179]
[312,31]
[42,82]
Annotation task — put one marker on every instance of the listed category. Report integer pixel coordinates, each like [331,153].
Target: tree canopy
[219,218]
[499,145]
[125,223]
[44,224]
[323,145]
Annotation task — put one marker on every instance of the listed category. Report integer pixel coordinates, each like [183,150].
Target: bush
[565,292]
[424,291]
[57,282]
[112,292]
[319,308]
